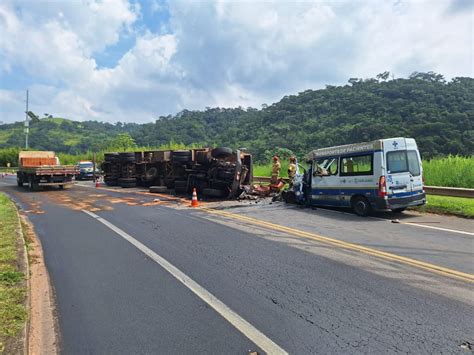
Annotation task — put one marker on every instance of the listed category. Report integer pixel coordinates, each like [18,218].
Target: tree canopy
[437,113]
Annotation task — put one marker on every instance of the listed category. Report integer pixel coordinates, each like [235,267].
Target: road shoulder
[43,335]
[13,280]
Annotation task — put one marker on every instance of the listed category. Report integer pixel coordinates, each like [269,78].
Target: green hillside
[438,114]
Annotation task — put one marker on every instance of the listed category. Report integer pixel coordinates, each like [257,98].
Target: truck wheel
[181,159]
[32,185]
[127,157]
[202,158]
[213,193]
[361,206]
[158,189]
[111,157]
[19,181]
[127,182]
[111,181]
[181,153]
[151,174]
[221,152]
[180,186]
[225,174]
[181,156]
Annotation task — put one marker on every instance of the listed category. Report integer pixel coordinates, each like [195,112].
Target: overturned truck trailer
[218,172]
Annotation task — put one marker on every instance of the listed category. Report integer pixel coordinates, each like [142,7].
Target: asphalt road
[305,295]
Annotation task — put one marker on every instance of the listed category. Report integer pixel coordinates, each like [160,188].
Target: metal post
[27,123]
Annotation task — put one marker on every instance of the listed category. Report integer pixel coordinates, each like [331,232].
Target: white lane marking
[233,318]
[404,223]
[438,228]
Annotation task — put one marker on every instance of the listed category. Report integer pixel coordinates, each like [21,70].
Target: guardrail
[449,191]
[4,170]
[432,190]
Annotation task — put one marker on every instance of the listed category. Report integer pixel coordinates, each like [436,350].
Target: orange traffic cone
[194,200]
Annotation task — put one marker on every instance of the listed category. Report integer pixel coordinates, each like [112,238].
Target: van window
[403,161]
[413,163]
[357,165]
[328,164]
[397,162]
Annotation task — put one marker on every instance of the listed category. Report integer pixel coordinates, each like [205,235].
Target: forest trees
[439,114]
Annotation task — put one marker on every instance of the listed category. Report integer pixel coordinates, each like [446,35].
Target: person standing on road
[292,170]
[275,170]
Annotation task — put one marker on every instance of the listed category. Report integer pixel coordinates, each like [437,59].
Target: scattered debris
[466,345]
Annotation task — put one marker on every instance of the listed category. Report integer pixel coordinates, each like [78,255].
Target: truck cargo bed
[50,170]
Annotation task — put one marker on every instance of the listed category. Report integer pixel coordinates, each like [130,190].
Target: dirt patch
[43,335]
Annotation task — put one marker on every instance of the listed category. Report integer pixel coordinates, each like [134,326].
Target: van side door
[325,182]
[357,177]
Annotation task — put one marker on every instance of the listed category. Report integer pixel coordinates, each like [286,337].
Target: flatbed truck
[42,168]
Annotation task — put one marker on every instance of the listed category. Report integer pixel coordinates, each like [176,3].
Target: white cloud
[219,53]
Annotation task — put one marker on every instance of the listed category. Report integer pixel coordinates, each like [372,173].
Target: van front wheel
[361,206]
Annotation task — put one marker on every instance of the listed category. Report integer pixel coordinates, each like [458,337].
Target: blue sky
[131,60]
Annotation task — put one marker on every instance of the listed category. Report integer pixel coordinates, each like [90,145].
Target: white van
[385,174]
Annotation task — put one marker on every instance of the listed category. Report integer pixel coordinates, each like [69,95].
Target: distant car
[86,170]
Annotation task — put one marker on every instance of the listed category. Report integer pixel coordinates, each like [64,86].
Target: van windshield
[86,165]
[403,161]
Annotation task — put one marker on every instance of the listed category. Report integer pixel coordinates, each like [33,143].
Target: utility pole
[27,123]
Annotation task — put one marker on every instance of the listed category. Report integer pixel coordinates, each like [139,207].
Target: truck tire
[181,156]
[151,174]
[361,206]
[111,182]
[213,193]
[202,158]
[221,152]
[180,186]
[111,157]
[158,189]
[181,160]
[127,182]
[19,181]
[225,174]
[32,184]
[127,157]
[181,153]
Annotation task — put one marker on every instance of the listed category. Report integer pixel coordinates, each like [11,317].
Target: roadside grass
[450,171]
[458,206]
[12,293]
[266,170]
